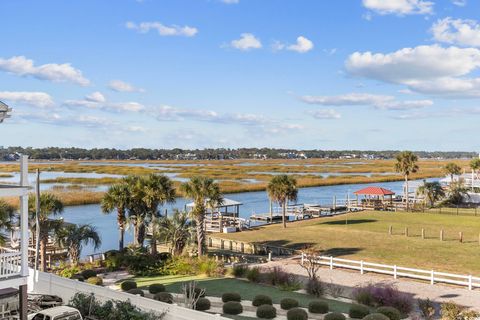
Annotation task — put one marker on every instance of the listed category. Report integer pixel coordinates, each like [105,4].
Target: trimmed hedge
[197,293]
[376,316]
[231,296]
[136,292]
[297,314]
[261,299]
[288,303]
[78,277]
[128,285]
[232,307]
[358,311]
[89,273]
[95,280]
[318,306]
[164,297]
[334,316]
[390,312]
[156,288]
[202,304]
[266,311]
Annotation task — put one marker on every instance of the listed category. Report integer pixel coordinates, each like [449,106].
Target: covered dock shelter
[222,218]
[374,197]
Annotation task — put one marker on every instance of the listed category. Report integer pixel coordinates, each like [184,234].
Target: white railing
[428,275]
[10,264]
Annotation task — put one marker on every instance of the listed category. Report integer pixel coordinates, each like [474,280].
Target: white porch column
[24,215]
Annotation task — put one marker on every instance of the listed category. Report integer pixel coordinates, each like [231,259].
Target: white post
[331,263]
[432,277]
[470,282]
[303,258]
[395,272]
[361,267]
[24,215]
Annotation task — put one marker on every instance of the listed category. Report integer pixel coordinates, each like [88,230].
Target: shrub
[253,274]
[210,267]
[292,283]
[197,293]
[69,272]
[95,280]
[78,277]
[261,299]
[202,304]
[136,292]
[334,316]
[164,297]
[375,316]
[390,312]
[317,306]
[239,271]
[297,314]
[287,303]
[232,307]
[427,308]
[383,295]
[231,296]
[266,311]
[315,287]
[276,276]
[358,311]
[86,274]
[128,285]
[156,288]
[452,311]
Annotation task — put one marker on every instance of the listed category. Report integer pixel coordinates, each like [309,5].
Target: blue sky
[353,74]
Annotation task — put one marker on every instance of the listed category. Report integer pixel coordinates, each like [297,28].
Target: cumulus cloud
[21,66]
[423,69]
[460,3]
[36,99]
[97,100]
[399,7]
[246,42]
[325,114]
[64,120]
[457,31]
[163,30]
[364,99]
[122,86]
[230,1]
[301,46]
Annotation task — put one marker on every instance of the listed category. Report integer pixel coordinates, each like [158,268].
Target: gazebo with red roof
[375,197]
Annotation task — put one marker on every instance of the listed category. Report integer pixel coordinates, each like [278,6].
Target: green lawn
[365,237]
[248,290]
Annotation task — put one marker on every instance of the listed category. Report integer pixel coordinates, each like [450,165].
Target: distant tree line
[54,153]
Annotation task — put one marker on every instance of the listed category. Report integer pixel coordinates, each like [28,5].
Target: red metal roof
[375,191]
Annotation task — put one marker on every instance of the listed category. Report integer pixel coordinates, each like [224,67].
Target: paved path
[350,279]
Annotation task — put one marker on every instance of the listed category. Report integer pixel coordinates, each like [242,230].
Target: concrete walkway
[350,279]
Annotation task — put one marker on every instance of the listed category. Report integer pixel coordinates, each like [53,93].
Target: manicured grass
[248,290]
[365,237]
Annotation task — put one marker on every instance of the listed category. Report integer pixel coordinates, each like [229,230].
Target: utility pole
[37,219]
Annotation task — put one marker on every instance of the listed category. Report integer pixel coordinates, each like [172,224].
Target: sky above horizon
[303,74]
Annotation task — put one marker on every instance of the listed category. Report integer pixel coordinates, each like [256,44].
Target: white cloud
[399,7]
[303,45]
[61,120]
[21,66]
[36,99]
[425,69]
[95,97]
[325,114]
[364,99]
[246,42]
[457,31]
[460,3]
[163,30]
[121,86]
[230,1]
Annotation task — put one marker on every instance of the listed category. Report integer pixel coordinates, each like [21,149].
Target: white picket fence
[428,275]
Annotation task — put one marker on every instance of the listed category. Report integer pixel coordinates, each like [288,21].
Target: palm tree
[74,237]
[157,191]
[457,192]
[50,206]
[6,215]
[177,230]
[204,192]
[452,169]
[406,164]
[432,191]
[117,197]
[282,189]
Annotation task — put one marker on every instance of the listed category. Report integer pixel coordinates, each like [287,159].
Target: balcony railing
[10,264]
